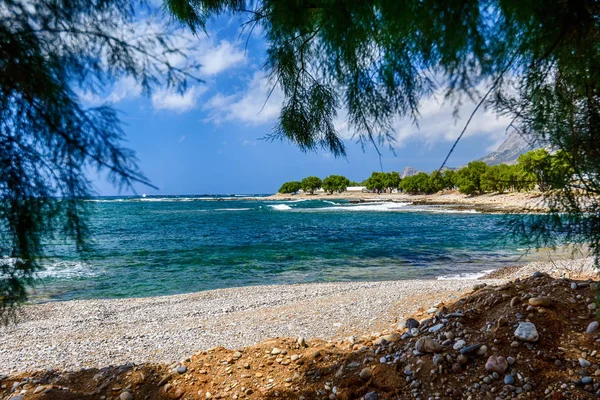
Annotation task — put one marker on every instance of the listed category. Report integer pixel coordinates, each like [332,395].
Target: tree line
[535,169]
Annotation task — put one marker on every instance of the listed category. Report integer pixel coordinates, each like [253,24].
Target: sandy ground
[508,202]
[94,333]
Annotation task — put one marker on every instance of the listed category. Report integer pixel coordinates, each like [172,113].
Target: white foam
[232,209]
[67,270]
[383,206]
[465,276]
[280,207]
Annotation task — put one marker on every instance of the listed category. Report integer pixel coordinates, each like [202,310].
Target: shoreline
[488,203]
[94,333]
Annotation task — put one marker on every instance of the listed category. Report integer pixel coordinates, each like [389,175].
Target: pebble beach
[91,333]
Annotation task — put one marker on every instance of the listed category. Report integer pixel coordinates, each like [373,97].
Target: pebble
[411,323]
[573,285]
[515,301]
[459,344]
[182,369]
[471,348]
[509,380]
[586,379]
[584,363]
[371,396]
[496,364]
[302,342]
[540,301]
[482,351]
[511,360]
[126,396]
[436,328]
[457,368]
[432,310]
[387,339]
[365,374]
[449,335]
[427,345]
[275,351]
[592,327]
[592,306]
[527,332]
[537,274]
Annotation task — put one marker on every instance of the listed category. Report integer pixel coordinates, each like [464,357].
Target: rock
[511,360]
[275,351]
[237,355]
[459,344]
[126,396]
[164,380]
[537,274]
[365,374]
[496,364]
[411,323]
[527,332]
[302,342]
[481,351]
[515,301]
[427,345]
[586,380]
[462,359]
[437,359]
[371,396]
[432,310]
[584,363]
[592,306]
[182,369]
[456,368]
[39,389]
[353,365]
[509,380]
[573,285]
[449,335]
[479,286]
[394,337]
[471,348]
[436,328]
[17,398]
[540,301]
[592,327]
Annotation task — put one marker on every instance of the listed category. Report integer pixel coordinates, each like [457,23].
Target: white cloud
[169,99]
[181,139]
[252,106]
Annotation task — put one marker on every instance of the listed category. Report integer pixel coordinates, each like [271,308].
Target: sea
[164,245]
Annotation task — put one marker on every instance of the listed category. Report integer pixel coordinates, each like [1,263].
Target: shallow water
[160,246]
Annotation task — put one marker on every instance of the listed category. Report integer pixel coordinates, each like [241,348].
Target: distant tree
[335,183]
[437,182]
[391,180]
[51,52]
[290,187]
[416,184]
[469,177]
[496,179]
[311,184]
[537,164]
[354,183]
[375,181]
[450,179]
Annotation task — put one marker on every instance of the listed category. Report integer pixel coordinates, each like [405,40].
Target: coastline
[94,333]
[489,203]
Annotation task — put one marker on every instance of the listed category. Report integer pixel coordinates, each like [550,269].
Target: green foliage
[416,184]
[310,184]
[537,165]
[49,142]
[469,178]
[290,187]
[383,180]
[335,183]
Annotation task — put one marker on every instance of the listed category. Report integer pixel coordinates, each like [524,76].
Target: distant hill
[510,150]
[408,171]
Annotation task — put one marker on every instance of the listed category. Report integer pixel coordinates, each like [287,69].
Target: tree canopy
[50,52]
[335,183]
[310,184]
[290,187]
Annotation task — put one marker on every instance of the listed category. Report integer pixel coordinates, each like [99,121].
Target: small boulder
[527,332]
[394,337]
[540,301]
[592,327]
[496,364]
[411,323]
[365,374]
[126,396]
[427,345]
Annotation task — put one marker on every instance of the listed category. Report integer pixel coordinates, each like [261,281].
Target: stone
[586,380]
[432,310]
[573,285]
[482,351]
[584,363]
[537,274]
[411,323]
[456,368]
[527,332]
[237,355]
[17,398]
[365,374]
[275,351]
[471,348]
[436,328]
[462,359]
[509,380]
[437,359]
[39,389]
[540,301]
[427,345]
[592,306]
[496,364]
[182,369]
[515,301]
[511,360]
[126,396]
[459,344]
[591,328]
[371,396]
[302,342]
[394,337]
[449,335]
[479,286]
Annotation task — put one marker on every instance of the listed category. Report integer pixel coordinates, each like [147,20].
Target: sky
[210,139]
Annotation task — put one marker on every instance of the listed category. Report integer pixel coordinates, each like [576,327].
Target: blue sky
[209,139]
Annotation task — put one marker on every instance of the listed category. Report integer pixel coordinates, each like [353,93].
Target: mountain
[408,171]
[510,150]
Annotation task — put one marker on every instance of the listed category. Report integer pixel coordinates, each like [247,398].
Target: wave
[233,209]
[383,206]
[280,207]
[67,270]
[465,276]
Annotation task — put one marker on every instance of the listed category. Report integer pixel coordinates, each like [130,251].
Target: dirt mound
[530,338]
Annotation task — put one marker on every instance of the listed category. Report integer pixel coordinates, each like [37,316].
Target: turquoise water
[168,245]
